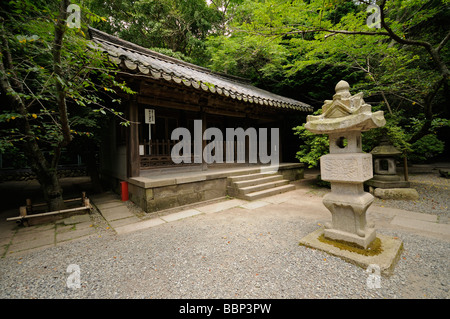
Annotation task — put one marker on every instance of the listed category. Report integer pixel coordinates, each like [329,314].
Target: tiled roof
[163,67]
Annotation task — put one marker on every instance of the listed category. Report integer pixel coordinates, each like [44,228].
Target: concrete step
[234,191]
[257,181]
[261,187]
[268,192]
[247,177]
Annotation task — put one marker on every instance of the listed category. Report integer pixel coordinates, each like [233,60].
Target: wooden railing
[158,147]
[157,153]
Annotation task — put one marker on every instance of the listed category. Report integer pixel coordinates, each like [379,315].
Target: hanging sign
[149,116]
[149,119]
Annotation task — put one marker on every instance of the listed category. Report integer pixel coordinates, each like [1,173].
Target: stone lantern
[346,167]
[385,167]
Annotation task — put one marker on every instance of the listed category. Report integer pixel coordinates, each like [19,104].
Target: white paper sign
[149,116]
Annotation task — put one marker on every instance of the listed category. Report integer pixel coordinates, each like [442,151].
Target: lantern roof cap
[385,149]
[345,112]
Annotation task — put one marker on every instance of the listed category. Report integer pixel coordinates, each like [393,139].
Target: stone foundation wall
[156,195]
[163,197]
[292,174]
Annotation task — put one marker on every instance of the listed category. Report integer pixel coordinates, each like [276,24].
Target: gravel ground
[434,196]
[232,254]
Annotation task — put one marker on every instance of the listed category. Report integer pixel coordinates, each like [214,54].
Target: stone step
[268,192]
[257,181]
[261,187]
[247,177]
[235,191]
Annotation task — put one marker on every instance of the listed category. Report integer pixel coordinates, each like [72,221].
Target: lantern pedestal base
[387,181]
[363,242]
[386,260]
[348,205]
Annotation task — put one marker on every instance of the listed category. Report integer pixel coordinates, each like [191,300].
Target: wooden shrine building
[174,94]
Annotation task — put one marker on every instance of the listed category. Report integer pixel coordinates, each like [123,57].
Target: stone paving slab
[277,199]
[421,225]
[36,228]
[76,233]
[124,221]
[7,231]
[24,249]
[88,224]
[24,236]
[217,207]
[139,226]
[254,205]
[23,239]
[3,249]
[76,219]
[61,228]
[104,198]
[111,204]
[392,212]
[117,212]
[180,215]
[49,239]
[5,240]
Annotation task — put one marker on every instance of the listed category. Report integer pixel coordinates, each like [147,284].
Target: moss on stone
[374,248]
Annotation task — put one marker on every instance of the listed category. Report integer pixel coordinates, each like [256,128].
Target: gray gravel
[434,196]
[233,254]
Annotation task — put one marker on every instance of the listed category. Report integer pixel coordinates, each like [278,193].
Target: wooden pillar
[282,136]
[247,125]
[133,157]
[203,117]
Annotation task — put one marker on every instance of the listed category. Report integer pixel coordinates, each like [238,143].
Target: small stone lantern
[385,167]
[346,167]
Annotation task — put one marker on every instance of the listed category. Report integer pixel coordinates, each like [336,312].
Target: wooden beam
[223,112]
[133,160]
[204,126]
[176,96]
[49,213]
[167,103]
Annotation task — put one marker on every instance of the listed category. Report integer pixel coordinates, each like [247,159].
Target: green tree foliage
[303,48]
[314,146]
[52,85]
[175,28]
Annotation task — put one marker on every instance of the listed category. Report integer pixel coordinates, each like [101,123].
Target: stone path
[122,220]
[14,239]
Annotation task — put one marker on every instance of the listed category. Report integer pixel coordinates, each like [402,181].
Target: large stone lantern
[346,167]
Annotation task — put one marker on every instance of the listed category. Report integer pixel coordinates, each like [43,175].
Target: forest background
[55,91]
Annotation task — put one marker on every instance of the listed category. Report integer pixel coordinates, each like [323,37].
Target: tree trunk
[60,92]
[52,189]
[46,173]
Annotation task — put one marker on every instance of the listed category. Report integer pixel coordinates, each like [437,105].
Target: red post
[124,190]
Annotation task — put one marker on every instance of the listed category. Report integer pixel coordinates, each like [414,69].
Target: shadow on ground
[15,193]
